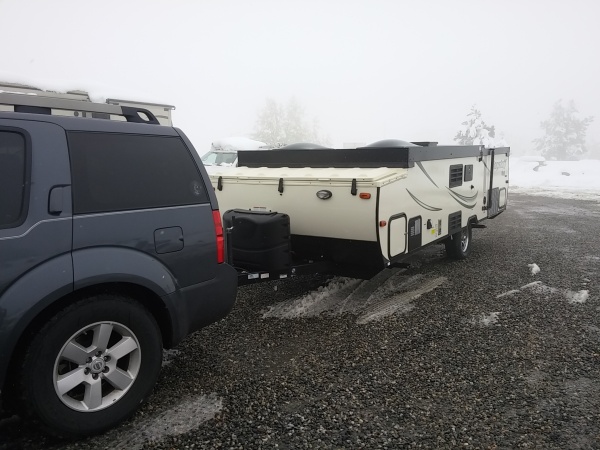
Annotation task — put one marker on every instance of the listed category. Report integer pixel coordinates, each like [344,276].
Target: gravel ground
[491,356]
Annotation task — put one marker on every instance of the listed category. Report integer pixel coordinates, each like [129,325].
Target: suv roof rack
[28,99]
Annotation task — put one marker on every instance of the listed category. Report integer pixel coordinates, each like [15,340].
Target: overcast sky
[367,70]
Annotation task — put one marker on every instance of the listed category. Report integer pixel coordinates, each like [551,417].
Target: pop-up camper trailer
[358,210]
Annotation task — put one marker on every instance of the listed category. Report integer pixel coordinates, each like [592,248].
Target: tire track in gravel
[389,292]
[398,303]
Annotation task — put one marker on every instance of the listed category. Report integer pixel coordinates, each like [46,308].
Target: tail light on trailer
[220,238]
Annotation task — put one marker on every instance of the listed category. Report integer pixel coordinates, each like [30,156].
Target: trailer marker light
[382,223]
[365,195]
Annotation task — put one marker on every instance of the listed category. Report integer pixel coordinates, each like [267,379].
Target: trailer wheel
[458,245]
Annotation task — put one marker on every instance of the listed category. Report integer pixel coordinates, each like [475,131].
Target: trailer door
[497,191]
[397,235]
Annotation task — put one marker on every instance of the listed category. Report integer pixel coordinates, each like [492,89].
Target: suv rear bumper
[202,304]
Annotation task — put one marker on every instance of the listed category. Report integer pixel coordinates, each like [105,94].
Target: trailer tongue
[354,212]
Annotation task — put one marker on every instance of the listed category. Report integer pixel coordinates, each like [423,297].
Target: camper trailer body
[368,208]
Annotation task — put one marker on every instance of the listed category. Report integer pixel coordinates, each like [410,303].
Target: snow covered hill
[564,179]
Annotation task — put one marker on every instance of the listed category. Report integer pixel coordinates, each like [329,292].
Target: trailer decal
[423,205]
[464,197]
[461,199]
[425,172]
[464,205]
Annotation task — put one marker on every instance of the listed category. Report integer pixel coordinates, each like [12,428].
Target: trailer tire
[459,245]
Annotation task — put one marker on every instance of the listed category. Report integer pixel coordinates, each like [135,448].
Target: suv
[111,249]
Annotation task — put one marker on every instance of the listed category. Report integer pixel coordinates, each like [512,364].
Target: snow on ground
[577,297]
[179,419]
[534,268]
[541,289]
[563,179]
[390,292]
[486,319]
[325,298]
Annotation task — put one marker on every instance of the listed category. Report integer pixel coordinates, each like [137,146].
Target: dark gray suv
[111,249]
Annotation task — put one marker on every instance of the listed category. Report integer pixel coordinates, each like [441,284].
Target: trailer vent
[456,175]
[414,233]
[454,222]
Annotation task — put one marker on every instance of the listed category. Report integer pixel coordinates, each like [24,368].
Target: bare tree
[279,124]
[475,131]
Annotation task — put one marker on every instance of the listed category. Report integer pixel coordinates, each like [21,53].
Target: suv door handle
[55,200]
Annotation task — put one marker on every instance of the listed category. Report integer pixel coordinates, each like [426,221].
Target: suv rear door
[141,193]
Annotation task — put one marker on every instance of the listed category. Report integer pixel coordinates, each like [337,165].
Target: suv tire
[91,365]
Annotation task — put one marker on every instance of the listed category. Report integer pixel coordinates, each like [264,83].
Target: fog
[366,70]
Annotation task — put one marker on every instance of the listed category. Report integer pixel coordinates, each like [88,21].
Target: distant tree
[564,137]
[279,124]
[475,131]
[269,124]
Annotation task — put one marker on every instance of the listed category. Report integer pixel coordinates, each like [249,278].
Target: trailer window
[456,175]
[469,172]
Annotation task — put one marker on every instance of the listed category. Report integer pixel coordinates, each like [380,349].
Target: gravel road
[482,353]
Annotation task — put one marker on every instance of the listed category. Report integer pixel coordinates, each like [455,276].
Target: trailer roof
[364,157]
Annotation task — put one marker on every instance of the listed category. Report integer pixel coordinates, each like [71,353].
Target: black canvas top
[387,154]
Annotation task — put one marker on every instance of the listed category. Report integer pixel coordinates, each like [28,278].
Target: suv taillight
[220,238]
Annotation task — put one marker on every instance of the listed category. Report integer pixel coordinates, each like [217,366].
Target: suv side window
[116,172]
[13,177]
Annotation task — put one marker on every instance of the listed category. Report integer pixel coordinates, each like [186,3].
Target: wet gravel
[434,376]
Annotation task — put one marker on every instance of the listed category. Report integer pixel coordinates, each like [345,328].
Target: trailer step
[478,225]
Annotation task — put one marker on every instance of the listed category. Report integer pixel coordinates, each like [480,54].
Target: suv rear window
[12,178]
[116,172]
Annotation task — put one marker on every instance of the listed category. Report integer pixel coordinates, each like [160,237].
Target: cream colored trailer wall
[343,216]
[425,192]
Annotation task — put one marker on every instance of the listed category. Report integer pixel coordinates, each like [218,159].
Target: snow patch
[577,297]
[539,288]
[486,319]
[178,420]
[237,143]
[325,298]
[534,268]
[506,294]
[534,176]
